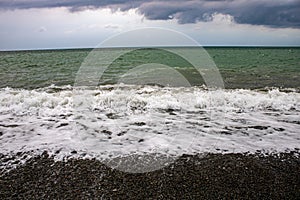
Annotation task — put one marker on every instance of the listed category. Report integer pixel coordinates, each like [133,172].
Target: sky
[47,24]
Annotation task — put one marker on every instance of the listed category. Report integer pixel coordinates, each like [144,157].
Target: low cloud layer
[272,13]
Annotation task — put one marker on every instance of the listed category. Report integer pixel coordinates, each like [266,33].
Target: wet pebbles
[213,176]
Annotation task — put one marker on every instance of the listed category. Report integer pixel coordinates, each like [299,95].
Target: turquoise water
[258,67]
[239,67]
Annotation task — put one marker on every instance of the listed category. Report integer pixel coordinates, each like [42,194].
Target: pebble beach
[210,176]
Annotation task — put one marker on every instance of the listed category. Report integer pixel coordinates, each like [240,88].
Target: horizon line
[204,46]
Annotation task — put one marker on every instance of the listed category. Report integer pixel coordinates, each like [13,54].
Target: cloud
[42,29]
[264,12]
[112,26]
[276,14]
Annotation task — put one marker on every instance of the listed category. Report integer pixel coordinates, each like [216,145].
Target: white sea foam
[122,119]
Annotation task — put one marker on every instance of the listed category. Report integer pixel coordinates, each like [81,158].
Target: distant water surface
[246,68]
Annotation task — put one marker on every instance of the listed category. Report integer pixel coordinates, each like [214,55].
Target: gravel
[210,176]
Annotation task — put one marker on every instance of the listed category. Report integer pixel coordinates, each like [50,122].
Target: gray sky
[32,24]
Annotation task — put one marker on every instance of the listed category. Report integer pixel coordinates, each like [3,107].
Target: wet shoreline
[213,176]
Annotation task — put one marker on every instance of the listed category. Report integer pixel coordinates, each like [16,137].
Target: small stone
[107,132]
[73,152]
[140,123]
[121,133]
[62,124]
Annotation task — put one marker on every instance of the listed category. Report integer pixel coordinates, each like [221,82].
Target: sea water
[257,110]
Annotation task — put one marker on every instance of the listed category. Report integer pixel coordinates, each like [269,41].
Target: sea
[149,101]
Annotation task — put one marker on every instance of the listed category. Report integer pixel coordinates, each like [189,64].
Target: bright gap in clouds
[59,28]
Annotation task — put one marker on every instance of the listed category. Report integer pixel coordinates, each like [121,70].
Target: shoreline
[213,176]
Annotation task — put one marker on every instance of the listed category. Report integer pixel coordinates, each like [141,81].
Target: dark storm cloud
[264,12]
[273,13]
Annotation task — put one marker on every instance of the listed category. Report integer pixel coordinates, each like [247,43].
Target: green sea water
[245,67]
